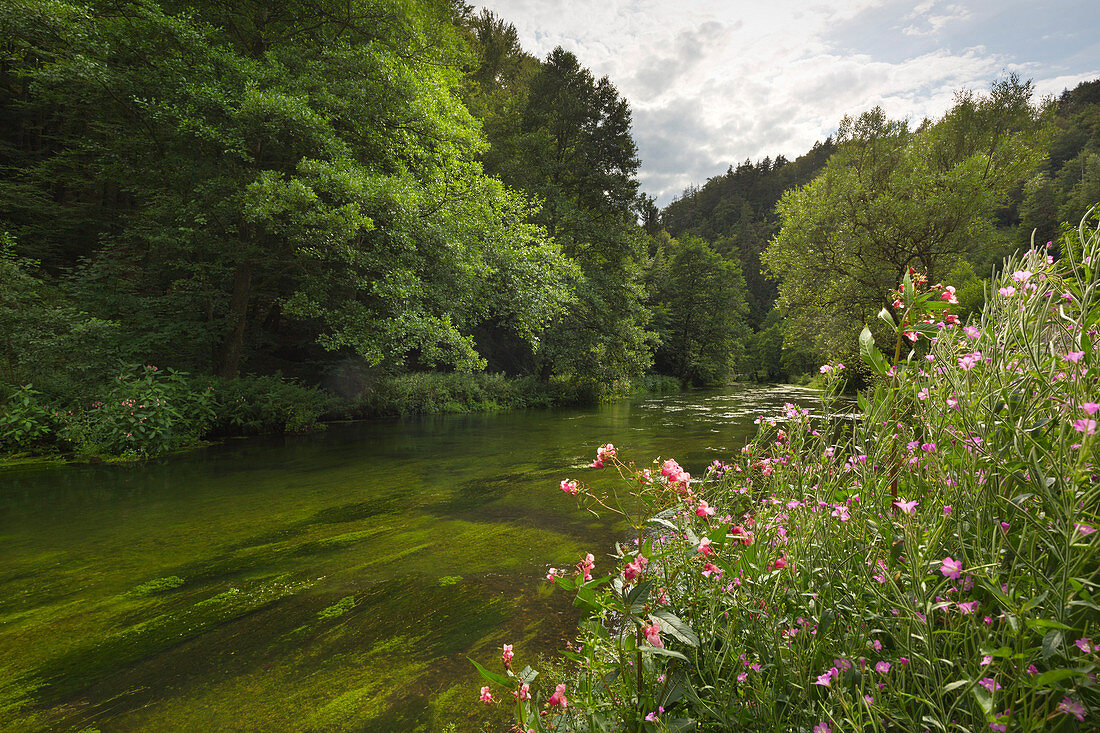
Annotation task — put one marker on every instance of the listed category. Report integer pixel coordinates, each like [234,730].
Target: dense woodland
[395,203]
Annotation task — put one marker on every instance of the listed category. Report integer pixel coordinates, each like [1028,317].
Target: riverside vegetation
[929,563]
[195,186]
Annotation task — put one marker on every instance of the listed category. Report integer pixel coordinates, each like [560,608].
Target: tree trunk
[230,357]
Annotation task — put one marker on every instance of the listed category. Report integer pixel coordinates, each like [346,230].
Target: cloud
[711,84]
[928,22]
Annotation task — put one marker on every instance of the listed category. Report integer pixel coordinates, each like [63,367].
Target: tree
[252,165]
[698,298]
[892,198]
[571,148]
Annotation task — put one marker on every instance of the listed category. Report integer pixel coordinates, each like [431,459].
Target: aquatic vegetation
[932,564]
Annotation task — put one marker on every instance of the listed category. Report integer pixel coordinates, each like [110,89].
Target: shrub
[261,405]
[146,412]
[27,423]
[933,565]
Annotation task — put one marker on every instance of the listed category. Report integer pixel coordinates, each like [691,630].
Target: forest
[252,217]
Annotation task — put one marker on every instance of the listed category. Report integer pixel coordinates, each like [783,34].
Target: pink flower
[968,608]
[1021,276]
[947,510]
[876,645]
[524,692]
[906,506]
[841,513]
[634,569]
[822,728]
[1074,356]
[558,698]
[670,467]
[712,569]
[951,568]
[569,486]
[704,547]
[1084,529]
[1088,427]
[1090,408]
[585,566]
[652,633]
[949,295]
[486,696]
[603,453]
[882,667]
[780,564]
[928,447]
[704,510]
[506,655]
[990,684]
[1085,645]
[972,332]
[826,679]
[911,335]
[969,361]
[1007,292]
[1069,706]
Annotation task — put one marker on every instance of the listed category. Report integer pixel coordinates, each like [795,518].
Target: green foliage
[145,413]
[437,392]
[230,180]
[932,565]
[566,141]
[735,212]
[698,301]
[891,198]
[44,338]
[261,405]
[27,423]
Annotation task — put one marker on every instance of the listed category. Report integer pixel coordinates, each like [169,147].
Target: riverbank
[147,412]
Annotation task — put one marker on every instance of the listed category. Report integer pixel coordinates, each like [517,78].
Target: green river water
[333,582]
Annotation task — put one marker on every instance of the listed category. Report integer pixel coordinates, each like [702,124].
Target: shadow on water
[329,582]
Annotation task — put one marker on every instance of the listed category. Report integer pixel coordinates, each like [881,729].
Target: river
[336,581]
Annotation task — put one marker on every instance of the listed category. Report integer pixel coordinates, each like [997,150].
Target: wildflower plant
[932,564]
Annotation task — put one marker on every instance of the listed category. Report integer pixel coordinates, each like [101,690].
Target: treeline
[822,238]
[338,194]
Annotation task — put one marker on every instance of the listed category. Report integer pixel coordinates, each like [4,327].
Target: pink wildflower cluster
[677,477]
[604,453]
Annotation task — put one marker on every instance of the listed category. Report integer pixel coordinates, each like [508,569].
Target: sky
[711,84]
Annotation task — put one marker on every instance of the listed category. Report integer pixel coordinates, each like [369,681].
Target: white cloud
[712,83]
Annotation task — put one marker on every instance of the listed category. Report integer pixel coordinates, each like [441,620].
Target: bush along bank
[932,565]
[146,412]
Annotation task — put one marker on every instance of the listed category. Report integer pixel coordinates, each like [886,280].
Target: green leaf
[955,685]
[638,594]
[676,627]
[661,651]
[1056,675]
[869,353]
[1045,623]
[1051,642]
[888,319]
[492,676]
